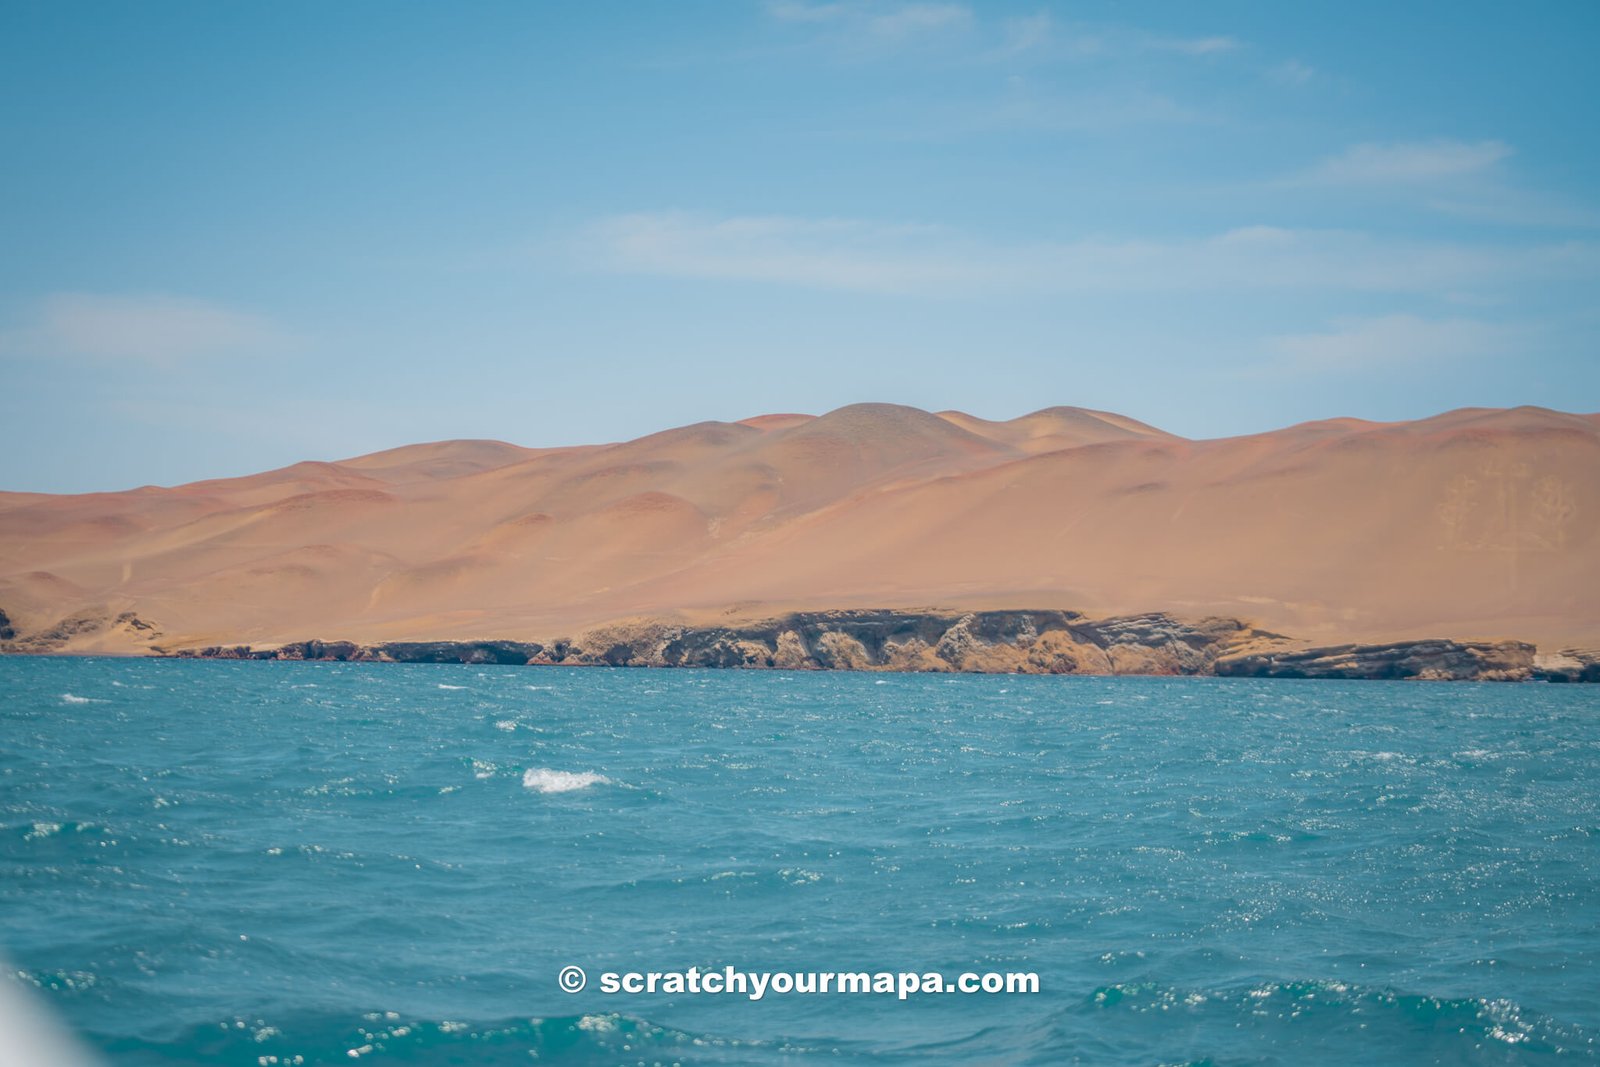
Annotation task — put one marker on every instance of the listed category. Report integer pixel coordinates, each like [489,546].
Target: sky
[236,236]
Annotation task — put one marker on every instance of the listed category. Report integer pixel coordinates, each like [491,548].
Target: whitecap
[505,724]
[544,780]
[443,686]
[68,698]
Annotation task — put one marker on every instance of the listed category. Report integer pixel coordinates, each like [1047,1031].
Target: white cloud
[1407,162]
[141,328]
[1388,342]
[924,260]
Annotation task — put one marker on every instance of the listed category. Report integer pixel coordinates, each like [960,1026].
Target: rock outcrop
[1483,661]
[980,642]
[1569,665]
[991,642]
[514,653]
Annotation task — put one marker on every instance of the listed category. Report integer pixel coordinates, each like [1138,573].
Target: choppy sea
[280,863]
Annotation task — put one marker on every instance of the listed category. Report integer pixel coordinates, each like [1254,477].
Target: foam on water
[544,780]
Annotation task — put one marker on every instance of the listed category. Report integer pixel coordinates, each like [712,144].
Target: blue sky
[239,235]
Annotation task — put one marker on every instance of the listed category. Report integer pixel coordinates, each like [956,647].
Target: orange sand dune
[1475,523]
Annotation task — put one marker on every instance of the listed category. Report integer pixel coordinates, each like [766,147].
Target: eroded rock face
[1569,665]
[998,642]
[1011,642]
[992,642]
[1484,661]
[504,652]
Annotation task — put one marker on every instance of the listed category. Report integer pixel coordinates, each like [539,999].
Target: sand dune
[1476,523]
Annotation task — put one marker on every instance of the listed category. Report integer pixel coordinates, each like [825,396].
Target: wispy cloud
[1026,33]
[1516,207]
[1023,108]
[823,253]
[1388,342]
[1291,72]
[891,21]
[1038,36]
[1041,36]
[926,260]
[1407,162]
[1196,46]
[1466,179]
[153,329]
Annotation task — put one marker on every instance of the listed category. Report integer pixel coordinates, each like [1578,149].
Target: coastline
[989,642]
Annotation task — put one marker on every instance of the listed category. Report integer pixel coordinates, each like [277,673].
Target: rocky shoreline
[989,642]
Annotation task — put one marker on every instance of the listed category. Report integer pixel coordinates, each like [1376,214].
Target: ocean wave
[443,686]
[389,1036]
[545,780]
[1343,1010]
[72,698]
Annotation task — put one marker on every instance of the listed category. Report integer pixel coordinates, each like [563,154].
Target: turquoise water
[247,862]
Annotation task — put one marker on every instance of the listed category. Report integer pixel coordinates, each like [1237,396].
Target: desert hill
[1477,523]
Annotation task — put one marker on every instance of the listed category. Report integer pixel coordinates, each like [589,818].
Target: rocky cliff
[991,642]
[1484,661]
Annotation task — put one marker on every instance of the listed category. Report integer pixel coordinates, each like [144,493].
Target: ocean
[301,863]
